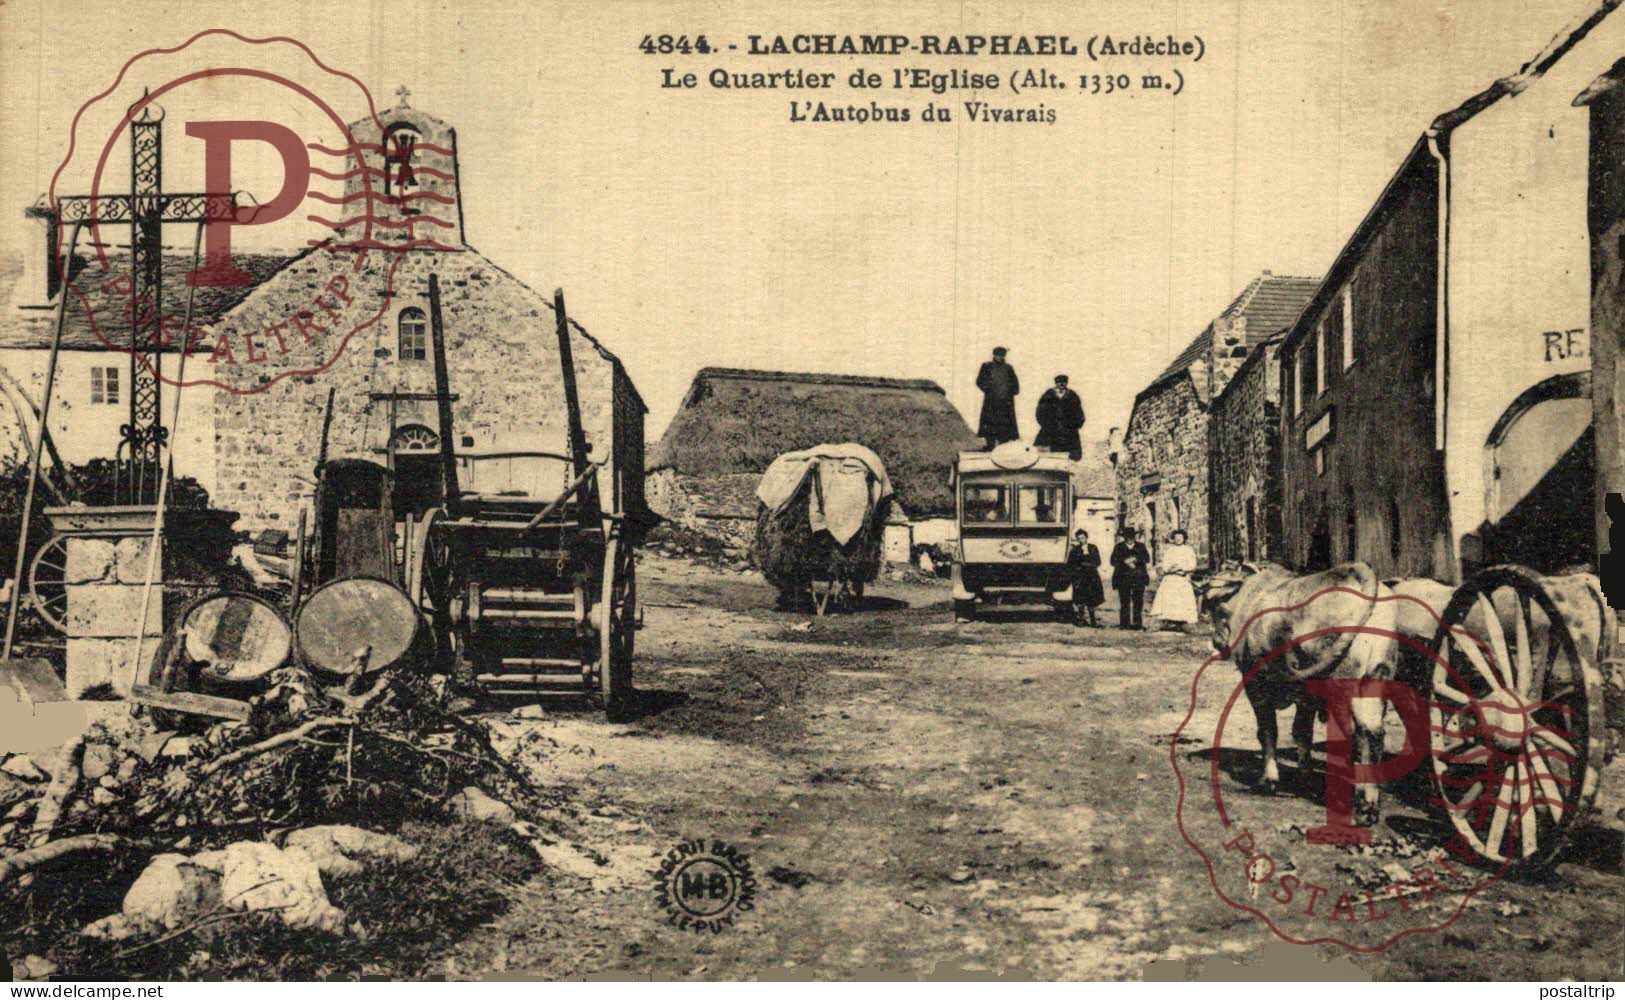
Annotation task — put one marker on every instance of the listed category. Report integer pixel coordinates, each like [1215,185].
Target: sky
[695,227]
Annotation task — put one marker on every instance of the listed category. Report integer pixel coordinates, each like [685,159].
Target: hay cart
[532,595]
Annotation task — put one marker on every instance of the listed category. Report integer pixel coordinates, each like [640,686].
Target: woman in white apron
[1176,598]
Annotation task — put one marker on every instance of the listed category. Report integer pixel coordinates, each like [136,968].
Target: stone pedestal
[106,567]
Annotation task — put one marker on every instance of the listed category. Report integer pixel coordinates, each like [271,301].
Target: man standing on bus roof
[1060,417]
[1000,387]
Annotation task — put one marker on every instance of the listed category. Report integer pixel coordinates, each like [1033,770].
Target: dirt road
[918,799]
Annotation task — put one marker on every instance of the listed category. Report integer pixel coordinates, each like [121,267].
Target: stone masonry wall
[1162,477]
[715,506]
[105,580]
[1245,459]
[502,355]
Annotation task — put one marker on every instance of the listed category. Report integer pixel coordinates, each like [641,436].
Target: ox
[1239,601]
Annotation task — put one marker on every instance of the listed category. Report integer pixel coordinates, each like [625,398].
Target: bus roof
[1007,459]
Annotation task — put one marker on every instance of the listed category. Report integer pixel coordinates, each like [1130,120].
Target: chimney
[41,280]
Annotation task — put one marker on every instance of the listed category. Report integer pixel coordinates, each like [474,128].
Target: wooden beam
[191,703]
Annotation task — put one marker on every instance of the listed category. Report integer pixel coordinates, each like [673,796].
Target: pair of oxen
[1290,634]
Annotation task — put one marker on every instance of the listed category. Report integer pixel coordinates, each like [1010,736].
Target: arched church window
[414,438]
[414,334]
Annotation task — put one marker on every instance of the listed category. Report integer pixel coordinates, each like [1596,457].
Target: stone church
[349,314]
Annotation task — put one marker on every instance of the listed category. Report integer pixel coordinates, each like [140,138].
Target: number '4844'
[667,44]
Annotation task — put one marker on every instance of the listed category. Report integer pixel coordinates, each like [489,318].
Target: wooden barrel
[238,638]
[343,618]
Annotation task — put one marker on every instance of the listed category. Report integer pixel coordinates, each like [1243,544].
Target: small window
[1040,504]
[985,505]
[1320,356]
[1348,324]
[414,335]
[1299,373]
[104,385]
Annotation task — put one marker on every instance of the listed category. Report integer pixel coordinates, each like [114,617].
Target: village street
[920,799]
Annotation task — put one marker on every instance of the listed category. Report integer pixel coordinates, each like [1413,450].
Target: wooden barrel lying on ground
[356,619]
[236,638]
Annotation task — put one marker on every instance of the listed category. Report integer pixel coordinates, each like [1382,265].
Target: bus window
[984,504]
[1040,504]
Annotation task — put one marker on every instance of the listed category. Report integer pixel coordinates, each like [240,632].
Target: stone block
[130,558]
[106,610]
[103,661]
[89,560]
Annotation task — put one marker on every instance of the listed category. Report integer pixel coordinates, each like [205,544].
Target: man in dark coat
[1130,574]
[999,386]
[1060,417]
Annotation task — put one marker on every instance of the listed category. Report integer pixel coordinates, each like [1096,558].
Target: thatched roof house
[734,422]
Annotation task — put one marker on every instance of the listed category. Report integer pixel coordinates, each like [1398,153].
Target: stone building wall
[502,360]
[721,507]
[336,314]
[1162,478]
[1244,517]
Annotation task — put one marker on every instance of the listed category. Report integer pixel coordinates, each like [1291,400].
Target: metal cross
[403,94]
[146,208]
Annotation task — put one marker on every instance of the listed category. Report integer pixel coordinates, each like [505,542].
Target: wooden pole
[572,404]
[38,446]
[165,474]
[442,395]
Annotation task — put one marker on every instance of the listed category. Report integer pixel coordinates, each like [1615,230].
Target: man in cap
[1060,417]
[999,386]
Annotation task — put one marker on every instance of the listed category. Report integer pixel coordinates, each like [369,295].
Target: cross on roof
[403,94]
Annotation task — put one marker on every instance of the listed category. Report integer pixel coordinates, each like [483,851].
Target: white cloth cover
[850,482]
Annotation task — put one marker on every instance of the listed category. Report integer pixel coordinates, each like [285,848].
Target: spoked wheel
[617,625]
[1516,719]
[429,563]
[47,582]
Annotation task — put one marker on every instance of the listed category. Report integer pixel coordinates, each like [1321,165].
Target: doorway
[414,456]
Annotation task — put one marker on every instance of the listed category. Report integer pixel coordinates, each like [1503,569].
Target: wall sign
[1560,345]
[1316,433]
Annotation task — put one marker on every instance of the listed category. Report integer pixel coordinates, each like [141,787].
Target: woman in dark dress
[1083,559]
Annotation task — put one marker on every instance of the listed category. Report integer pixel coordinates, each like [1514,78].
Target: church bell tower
[407,160]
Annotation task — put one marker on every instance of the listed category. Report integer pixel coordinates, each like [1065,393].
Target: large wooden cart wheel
[1516,718]
[47,582]
[428,563]
[617,626]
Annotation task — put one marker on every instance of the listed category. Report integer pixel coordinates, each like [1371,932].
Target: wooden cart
[531,595]
[1517,719]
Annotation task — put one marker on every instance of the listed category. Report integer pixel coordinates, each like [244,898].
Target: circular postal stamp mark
[702,885]
[1354,879]
[261,228]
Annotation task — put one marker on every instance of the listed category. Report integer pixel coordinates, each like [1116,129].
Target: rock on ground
[473,804]
[340,851]
[175,890]
[255,875]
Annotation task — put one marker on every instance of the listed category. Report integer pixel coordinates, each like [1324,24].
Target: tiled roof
[1268,304]
[35,327]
